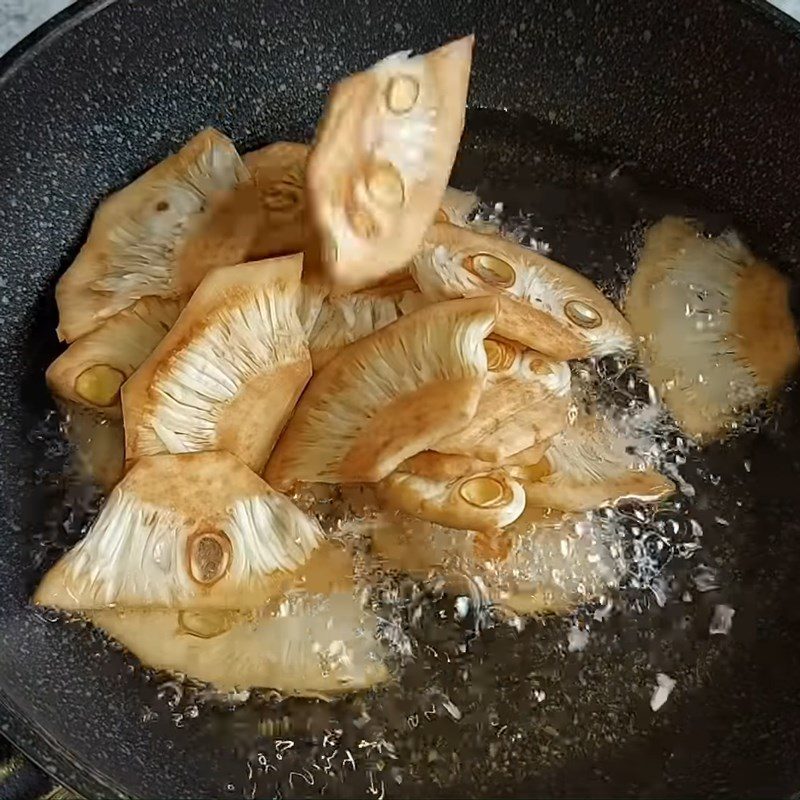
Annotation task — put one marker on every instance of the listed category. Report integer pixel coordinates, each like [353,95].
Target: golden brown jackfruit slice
[590,464]
[716,331]
[92,369]
[525,401]
[382,157]
[479,497]
[344,319]
[196,531]
[550,567]
[161,234]
[279,174]
[228,374]
[314,638]
[544,305]
[387,397]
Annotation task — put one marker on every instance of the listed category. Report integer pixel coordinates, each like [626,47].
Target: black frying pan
[700,103]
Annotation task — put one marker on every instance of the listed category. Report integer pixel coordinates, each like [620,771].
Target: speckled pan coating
[699,93]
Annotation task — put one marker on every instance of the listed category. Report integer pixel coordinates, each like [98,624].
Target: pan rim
[24,734]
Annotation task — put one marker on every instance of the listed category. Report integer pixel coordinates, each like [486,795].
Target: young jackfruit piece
[99,442]
[387,397]
[554,566]
[715,325]
[529,456]
[590,464]
[92,369]
[544,305]
[477,497]
[383,154]
[549,567]
[188,532]
[161,234]
[526,400]
[228,374]
[279,174]
[456,208]
[344,319]
[313,638]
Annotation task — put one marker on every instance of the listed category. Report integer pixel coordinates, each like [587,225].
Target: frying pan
[595,116]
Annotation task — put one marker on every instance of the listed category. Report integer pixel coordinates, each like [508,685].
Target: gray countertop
[20,17]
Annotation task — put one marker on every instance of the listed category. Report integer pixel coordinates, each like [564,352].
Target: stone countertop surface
[19,17]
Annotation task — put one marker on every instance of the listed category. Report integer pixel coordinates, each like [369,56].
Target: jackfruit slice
[228,374]
[544,305]
[99,443]
[161,234]
[314,638]
[717,335]
[550,567]
[92,369]
[387,397]
[553,567]
[590,464]
[526,400]
[188,532]
[279,174]
[383,154]
[344,319]
[456,207]
[478,498]
[529,456]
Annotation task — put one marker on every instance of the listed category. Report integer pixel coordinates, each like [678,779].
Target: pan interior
[483,707]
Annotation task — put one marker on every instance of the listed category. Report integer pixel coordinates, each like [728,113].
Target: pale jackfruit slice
[529,456]
[320,646]
[228,374]
[387,397]
[344,319]
[92,369]
[545,306]
[314,638]
[456,208]
[383,154]
[716,331]
[480,498]
[590,464]
[279,174]
[184,532]
[553,567]
[99,443]
[161,234]
[526,400]
[550,567]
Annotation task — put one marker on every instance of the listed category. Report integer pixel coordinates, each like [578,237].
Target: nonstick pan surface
[596,117]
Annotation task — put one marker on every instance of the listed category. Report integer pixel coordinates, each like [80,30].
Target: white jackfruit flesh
[228,374]
[344,319]
[161,234]
[717,336]
[544,305]
[387,397]
[184,532]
